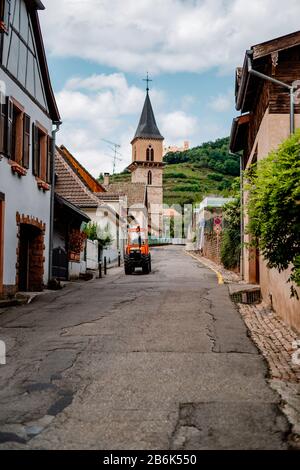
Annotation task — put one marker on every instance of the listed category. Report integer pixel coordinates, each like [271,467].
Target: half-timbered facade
[28,111]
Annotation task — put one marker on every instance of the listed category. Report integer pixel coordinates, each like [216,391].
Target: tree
[274,208]
[213,155]
[93,232]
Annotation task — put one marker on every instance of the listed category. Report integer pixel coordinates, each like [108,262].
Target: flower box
[3,27]
[17,168]
[73,256]
[43,185]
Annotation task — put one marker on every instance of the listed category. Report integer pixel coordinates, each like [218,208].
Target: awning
[239,133]
[74,210]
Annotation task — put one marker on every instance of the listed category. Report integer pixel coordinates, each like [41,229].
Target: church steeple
[147,161]
[147,128]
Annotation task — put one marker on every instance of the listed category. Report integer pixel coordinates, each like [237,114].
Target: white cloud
[164,36]
[106,107]
[222,102]
[92,109]
[178,126]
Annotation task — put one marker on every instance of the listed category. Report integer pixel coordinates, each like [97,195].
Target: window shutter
[6,12]
[50,160]
[26,141]
[35,151]
[9,126]
[2,122]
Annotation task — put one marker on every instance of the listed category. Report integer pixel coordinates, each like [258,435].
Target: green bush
[93,232]
[175,175]
[215,176]
[194,188]
[212,155]
[274,207]
[231,239]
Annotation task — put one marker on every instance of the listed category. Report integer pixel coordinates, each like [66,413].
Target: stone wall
[139,149]
[212,247]
[140,175]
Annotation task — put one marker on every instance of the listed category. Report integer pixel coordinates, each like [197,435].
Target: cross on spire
[147,79]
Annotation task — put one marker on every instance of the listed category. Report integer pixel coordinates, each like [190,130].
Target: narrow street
[136,362]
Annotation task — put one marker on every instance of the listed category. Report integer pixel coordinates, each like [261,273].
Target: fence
[156,241]
[91,254]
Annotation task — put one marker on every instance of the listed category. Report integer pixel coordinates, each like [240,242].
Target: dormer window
[4,15]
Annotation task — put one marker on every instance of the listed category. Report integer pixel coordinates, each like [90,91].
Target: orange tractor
[137,253]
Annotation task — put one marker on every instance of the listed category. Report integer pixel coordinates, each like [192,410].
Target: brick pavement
[274,339]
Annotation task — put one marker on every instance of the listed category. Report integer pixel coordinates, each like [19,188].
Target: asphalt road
[136,362]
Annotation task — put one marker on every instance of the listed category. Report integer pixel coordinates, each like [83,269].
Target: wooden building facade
[263,124]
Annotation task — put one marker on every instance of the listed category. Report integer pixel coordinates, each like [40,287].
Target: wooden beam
[278,44]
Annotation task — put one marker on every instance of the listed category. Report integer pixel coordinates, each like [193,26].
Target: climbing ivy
[274,207]
[231,238]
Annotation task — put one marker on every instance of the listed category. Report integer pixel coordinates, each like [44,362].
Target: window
[2,122]
[41,153]
[16,122]
[14,132]
[15,141]
[4,15]
[150,154]
[149,177]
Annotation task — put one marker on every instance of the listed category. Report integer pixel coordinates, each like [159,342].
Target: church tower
[147,162]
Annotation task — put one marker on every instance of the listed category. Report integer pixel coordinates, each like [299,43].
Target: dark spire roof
[147,127]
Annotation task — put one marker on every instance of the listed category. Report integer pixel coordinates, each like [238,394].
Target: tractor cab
[137,252]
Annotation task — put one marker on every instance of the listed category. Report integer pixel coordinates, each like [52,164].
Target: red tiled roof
[91,183]
[135,192]
[70,186]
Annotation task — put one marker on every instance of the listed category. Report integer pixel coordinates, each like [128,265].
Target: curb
[218,274]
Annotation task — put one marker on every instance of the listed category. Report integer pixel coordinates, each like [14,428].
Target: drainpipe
[242,212]
[291,88]
[51,225]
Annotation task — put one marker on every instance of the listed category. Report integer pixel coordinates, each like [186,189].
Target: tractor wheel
[146,267]
[128,269]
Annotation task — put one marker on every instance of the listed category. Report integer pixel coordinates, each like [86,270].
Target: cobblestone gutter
[279,345]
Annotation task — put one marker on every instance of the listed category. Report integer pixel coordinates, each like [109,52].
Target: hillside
[204,170]
[189,176]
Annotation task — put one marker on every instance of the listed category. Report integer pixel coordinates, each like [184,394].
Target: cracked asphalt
[136,362]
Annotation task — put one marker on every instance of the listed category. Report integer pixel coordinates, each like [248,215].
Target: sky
[99,51]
